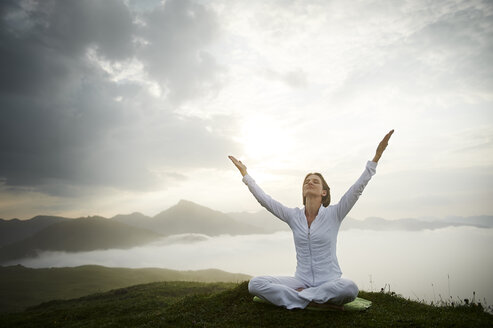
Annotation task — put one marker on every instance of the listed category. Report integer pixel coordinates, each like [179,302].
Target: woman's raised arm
[282,212]
[351,196]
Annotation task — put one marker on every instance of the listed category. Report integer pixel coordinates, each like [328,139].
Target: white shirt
[315,245]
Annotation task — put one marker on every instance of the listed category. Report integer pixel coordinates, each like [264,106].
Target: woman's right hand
[239,165]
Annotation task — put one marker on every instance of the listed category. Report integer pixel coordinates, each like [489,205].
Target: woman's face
[313,186]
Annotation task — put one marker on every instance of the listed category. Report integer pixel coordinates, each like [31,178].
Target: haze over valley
[193,222]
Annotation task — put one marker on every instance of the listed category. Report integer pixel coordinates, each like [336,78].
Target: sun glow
[264,137]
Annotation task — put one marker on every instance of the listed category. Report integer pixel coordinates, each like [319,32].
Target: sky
[117,106]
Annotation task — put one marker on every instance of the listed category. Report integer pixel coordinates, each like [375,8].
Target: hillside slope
[211,305]
[21,287]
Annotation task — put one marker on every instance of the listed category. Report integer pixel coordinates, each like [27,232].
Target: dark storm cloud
[60,123]
[42,47]
[176,34]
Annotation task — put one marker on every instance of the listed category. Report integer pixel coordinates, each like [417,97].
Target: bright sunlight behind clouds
[114,107]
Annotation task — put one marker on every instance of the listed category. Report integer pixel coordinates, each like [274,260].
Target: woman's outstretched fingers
[235,161]
[239,165]
[388,135]
[382,145]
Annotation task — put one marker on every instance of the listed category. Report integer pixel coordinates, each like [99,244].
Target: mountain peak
[190,217]
[186,205]
[184,201]
[134,215]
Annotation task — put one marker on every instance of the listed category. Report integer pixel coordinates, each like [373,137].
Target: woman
[317,281]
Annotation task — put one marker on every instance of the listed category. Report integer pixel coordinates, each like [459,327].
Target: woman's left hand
[382,145]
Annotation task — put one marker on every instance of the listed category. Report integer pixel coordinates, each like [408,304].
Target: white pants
[281,291]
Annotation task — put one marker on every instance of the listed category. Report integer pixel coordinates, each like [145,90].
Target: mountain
[135,219]
[265,220]
[78,235]
[376,223]
[43,233]
[26,238]
[482,221]
[189,217]
[15,230]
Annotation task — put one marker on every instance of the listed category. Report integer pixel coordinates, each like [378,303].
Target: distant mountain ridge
[189,217]
[269,222]
[20,239]
[78,235]
[15,229]
[44,233]
[376,223]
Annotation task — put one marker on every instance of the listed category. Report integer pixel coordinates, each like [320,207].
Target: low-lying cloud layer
[463,255]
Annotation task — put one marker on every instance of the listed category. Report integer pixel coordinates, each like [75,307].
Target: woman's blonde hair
[325,186]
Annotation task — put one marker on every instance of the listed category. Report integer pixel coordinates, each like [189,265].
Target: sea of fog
[425,265]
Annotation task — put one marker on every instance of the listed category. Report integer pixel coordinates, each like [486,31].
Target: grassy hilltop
[195,304]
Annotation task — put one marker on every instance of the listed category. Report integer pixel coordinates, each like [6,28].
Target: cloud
[229,253]
[463,253]
[436,56]
[175,52]
[295,78]
[120,99]
[68,125]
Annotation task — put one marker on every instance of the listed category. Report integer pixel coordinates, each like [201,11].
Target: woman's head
[315,183]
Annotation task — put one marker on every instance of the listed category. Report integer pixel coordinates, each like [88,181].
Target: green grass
[194,304]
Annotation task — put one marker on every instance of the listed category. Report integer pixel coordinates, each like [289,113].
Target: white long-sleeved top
[315,245]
